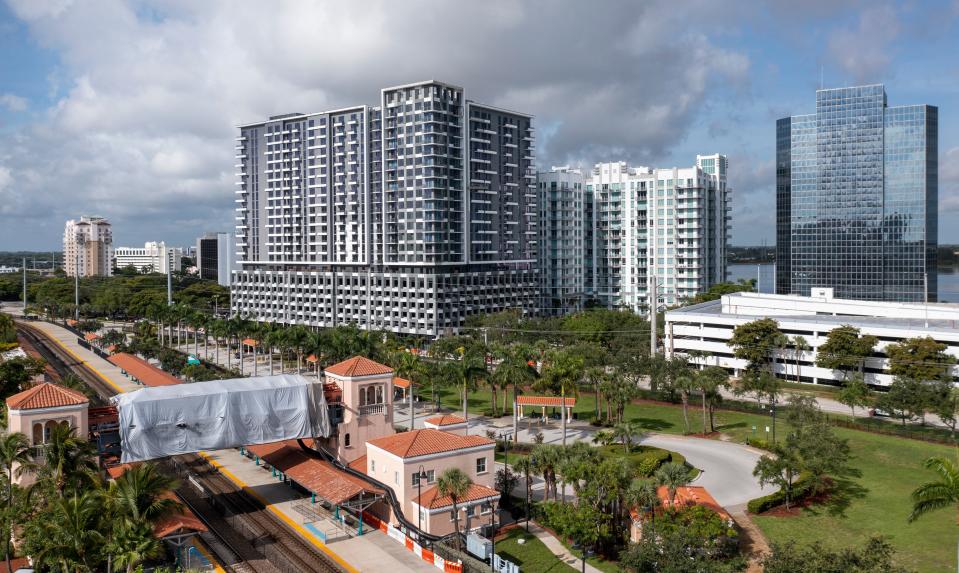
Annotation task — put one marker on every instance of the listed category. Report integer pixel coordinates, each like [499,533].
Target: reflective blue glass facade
[856,196]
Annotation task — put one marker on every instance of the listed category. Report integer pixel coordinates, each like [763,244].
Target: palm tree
[454,482]
[297,339]
[673,476]
[464,373]
[14,451]
[626,432]
[938,494]
[546,462]
[643,496]
[595,376]
[138,494]
[74,538]
[564,370]
[709,382]
[69,460]
[513,369]
[409,366]
[525,466]
[132,544]
[800,345]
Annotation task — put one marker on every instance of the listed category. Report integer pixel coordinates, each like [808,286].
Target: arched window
[37,433]
[47,430]
[346,440]
[379,394]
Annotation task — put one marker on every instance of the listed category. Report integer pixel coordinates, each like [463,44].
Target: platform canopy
[186,418]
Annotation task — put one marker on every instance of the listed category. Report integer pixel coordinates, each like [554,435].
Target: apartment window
[396,478]
[372,466]
[430,477]
[481,465]
[346,441]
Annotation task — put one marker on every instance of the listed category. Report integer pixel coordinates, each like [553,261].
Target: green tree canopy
[921,359]
[845,349]
[756,341]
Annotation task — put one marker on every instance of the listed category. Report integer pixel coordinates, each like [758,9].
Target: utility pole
[76,285]
[653,304]
[25,284]
[169,285]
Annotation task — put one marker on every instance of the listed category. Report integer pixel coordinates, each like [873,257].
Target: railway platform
[373,551]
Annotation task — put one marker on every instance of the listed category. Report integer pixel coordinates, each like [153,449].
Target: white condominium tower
[405,216]
[639,224]
[153,257]
[88,247]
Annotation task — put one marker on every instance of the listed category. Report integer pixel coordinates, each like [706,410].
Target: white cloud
[863,51]
[13,102]
[149,92]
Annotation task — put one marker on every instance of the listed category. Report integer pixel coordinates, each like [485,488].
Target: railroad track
[268,540]
[245,536]
[62,361]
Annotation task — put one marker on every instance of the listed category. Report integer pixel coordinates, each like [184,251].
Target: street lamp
[420,474]
[586,553]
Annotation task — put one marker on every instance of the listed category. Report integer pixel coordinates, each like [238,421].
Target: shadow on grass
[839,495]
[653,423]
[725,427]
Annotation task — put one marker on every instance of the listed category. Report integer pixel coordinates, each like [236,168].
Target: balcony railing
[372,409]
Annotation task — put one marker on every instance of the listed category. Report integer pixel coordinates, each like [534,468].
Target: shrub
[647,466]
[801,488]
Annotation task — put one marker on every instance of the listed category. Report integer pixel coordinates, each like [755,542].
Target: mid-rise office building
[639,224]
[562,239]
[406,216]
[88,247]
[857,198]
[215,253]
[153,257]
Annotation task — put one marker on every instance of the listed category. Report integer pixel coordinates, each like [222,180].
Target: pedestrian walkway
[557,548]
[372,551]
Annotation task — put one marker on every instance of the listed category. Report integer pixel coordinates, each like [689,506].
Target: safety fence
[447,566]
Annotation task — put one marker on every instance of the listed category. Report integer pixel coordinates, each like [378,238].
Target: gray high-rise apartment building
[857,191]
[405,216]
[562,239]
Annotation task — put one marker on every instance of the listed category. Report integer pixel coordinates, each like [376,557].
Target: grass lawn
[891,468]
[532,556]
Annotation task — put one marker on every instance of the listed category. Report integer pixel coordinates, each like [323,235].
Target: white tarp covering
[171,420]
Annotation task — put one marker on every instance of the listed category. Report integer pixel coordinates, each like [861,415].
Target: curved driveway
[727,467]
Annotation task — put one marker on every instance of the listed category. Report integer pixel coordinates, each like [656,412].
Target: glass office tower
[856,198]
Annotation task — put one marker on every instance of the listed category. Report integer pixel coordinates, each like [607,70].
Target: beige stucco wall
[362,427]
[398,474]
[32,422]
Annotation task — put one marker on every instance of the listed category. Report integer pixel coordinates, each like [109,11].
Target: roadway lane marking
[296,526]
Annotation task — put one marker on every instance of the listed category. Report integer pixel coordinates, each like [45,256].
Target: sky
[128,109]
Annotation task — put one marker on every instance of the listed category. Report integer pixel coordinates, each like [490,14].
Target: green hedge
[801,488]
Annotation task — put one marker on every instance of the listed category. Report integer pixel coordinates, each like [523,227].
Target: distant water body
[948,279]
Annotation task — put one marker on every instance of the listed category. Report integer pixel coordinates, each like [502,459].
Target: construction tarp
[186,418]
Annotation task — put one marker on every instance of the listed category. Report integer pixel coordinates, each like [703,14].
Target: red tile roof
[250,342]
[426,441]
[545,401]
[358,366]
[319,477]
[181,520]
[143,371]
[45,395]
[401,382]
[359,464]
[431,500]
[446,420]
[16,564]
[687,496]
[116,471]
[91,336]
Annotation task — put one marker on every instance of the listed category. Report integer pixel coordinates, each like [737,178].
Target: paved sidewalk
[558,549]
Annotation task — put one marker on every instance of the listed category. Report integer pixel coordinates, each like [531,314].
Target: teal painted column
[312,498]
[360,530]
[337,509]
[257,460]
